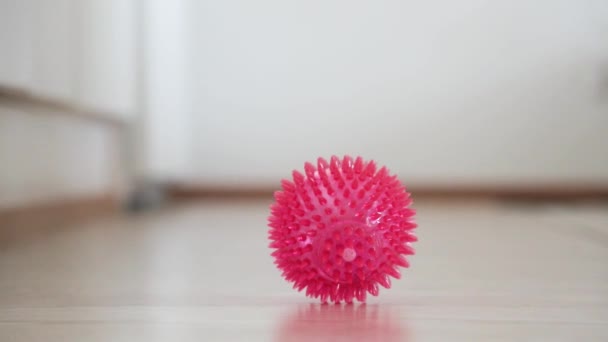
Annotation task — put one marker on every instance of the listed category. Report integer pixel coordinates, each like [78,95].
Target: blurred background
[111,106]
[104,97]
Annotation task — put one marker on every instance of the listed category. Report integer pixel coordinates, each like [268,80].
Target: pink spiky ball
[341,229]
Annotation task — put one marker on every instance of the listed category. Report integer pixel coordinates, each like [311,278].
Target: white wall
[125,60]
[80,53]
[54,48]
[443,92]
[164,126]
[107,56]
[15,43]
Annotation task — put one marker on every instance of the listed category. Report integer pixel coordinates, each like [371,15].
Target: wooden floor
[484,271]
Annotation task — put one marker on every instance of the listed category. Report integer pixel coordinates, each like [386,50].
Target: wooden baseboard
[523,192]
[43,219]
[547,192]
